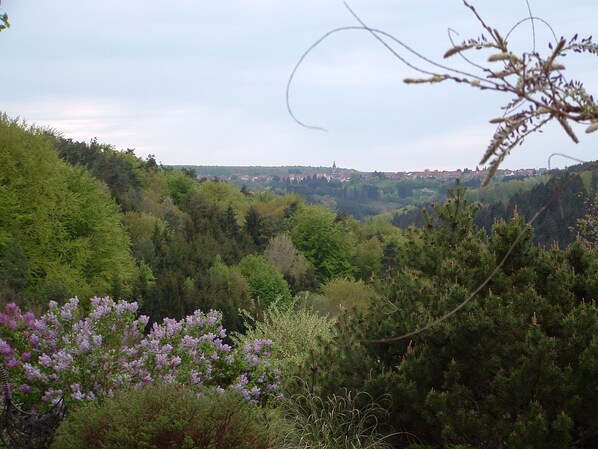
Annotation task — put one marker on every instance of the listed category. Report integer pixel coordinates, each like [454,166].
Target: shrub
[345,294]
[295,335]
[82,356]
[164,416]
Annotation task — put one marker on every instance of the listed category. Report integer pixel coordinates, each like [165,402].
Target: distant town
[334,173]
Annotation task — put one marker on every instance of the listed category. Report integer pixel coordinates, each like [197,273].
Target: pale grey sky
[203,81]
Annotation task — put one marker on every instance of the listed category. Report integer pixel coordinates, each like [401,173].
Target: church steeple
[334,167]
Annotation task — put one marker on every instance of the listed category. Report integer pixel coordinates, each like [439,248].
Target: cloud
[176,134]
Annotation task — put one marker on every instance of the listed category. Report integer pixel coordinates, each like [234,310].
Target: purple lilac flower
[5,348]
[161,361]
[100,307]
[223,347]
[213,317]
[11,308]
[33,340]
[255,392]
[124,306]
[52,395]
[12,362]
[34,374]
[78,396]
[97,340]
[62,360]
[29,318]
[67,310]
[45,360]
[196,378]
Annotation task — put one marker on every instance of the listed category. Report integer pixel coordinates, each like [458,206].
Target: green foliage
[256,227]
[222,194]
[555,224]
[368,258]
[345,294]
[179,185]
[265,282]
[516,367]
[296,334]
[60,233]
[4,23]
[588,225]
[324,242]
[229,292]
[165,417]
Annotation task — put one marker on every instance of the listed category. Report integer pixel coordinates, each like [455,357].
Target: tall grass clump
[348,421]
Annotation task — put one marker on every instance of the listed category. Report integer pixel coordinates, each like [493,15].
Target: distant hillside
[228,171]
[500,201]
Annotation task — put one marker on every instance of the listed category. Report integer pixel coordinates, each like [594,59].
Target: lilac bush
[192,352]
[79,355]
[17,342]
[83,355]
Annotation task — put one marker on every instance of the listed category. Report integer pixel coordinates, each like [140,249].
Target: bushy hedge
[164,416]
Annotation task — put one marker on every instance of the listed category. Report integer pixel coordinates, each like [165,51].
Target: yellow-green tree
[63,225]
[326,243]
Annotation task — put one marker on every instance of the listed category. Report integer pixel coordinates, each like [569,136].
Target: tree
[297,271]
[516,368]
[588,224]
[265,281]
[228,291]
[64,231]
[255,227]
[368,258]
[344,295]
[314,232]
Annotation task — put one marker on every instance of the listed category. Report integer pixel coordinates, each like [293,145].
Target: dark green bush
[163,416]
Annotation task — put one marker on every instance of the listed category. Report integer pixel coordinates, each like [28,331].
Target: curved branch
[532,19]
[318,42]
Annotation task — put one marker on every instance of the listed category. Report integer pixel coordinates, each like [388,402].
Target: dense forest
[404,201]
[516,366]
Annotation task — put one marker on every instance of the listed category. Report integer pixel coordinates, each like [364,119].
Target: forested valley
[339,302]
[403,201]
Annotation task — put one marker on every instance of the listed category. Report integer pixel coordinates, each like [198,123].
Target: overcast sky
[203,81]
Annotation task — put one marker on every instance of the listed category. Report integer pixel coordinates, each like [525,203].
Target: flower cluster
[81,355]
[192,352]
[18,341]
